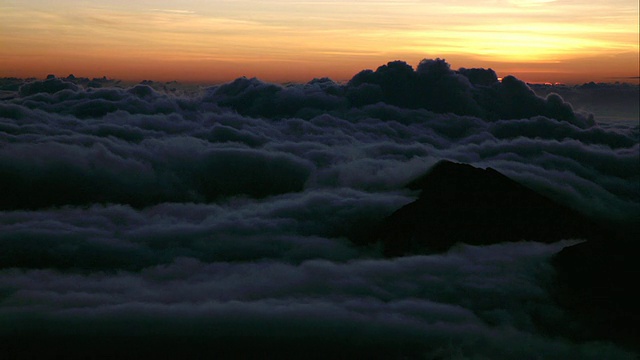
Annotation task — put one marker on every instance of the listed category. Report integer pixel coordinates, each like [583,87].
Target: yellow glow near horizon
[297,40]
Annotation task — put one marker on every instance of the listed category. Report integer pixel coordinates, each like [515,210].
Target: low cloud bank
[67,143]
[473,302]
[224,214]
[432,86]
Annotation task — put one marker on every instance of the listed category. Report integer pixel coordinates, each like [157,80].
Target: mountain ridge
[459,203]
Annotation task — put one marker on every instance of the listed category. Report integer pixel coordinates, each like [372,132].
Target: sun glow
[195,41]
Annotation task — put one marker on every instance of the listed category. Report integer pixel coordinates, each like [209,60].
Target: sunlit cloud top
[297,40]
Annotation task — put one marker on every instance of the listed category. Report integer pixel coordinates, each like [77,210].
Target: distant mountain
[459,203]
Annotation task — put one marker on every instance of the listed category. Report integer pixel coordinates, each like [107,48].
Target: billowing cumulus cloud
[233,215]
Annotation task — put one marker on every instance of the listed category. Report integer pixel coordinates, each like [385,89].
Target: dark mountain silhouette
[463,204]
[595,280]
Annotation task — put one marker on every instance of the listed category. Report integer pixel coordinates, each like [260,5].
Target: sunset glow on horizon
[319,179]
[199,41]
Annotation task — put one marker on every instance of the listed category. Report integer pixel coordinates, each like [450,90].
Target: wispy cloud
[497,31]
[175,11]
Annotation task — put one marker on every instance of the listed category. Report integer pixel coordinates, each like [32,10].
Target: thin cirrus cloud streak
[352,35]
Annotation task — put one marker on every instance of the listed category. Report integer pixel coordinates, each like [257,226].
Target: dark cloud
[50,86]
[433,86]
[209,219]
[179,169]
[377,146]
[63,97]
[610,101]
[477,92]
[291,228]
[253,97]
[548,128]
[487,302]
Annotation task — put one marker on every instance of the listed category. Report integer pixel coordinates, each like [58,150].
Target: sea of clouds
[225,214]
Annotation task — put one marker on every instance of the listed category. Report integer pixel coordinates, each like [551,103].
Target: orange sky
[204,41]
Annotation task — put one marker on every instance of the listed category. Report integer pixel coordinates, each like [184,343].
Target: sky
[154,220]
[565,41]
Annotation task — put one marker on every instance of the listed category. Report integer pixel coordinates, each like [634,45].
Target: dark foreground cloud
[473,302]
[219,219]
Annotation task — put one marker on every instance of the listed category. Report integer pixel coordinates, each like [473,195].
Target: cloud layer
[472,302]
[224,214]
